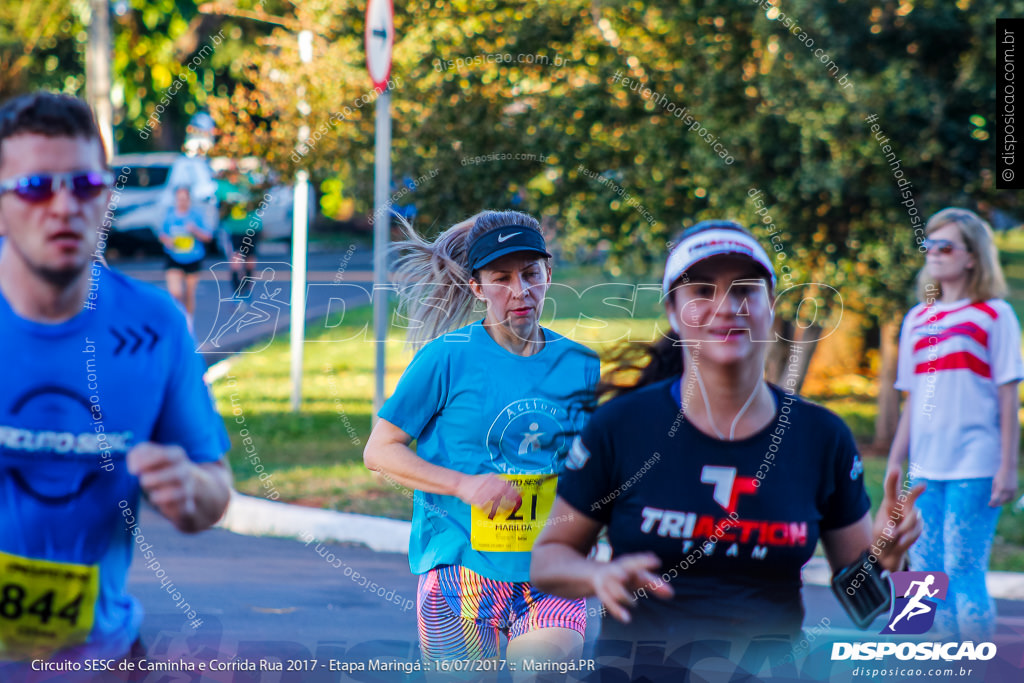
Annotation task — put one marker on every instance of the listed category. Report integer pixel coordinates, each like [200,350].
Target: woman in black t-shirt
[715,486]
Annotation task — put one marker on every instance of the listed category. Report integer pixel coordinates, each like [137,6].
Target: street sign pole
[381,240]
[379,40]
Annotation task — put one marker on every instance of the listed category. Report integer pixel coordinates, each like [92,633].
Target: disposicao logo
[914,612]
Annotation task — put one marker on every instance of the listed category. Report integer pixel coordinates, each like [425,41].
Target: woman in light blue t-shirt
[183,236]
[494,406]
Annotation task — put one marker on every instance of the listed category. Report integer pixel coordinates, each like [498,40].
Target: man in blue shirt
[103,399]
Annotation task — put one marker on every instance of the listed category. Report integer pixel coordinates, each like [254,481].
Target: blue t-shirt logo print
[913,612]
[528,437]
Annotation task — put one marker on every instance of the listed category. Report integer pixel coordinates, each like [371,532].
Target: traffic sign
[380,39]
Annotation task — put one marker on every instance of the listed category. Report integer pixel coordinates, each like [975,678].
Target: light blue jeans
[957,539]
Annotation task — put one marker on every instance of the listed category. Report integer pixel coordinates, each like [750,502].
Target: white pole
[97,71]
[300,225]
[298,299]
[381,237]
[298,322]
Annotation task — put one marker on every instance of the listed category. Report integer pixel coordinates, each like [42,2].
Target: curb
[220,369]
[259,517]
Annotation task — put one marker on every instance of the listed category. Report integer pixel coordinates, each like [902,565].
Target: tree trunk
[888,397]
[787,361]
[803,348]
[778,350]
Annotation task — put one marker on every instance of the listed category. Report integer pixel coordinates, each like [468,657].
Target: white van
[148,194]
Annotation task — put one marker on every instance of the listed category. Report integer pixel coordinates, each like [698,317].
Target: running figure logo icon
[912,611]
[255,306]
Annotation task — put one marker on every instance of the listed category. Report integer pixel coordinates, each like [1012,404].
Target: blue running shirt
[77,396]
[475,407]
[187,247]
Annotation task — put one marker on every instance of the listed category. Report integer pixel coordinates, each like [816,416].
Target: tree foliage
[786,89]
[924,68]
[35,50]
[583,112]
[43,44]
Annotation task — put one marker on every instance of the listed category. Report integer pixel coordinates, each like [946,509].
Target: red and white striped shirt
[952,359]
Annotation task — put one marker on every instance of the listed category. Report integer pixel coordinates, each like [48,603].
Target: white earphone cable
[711,419]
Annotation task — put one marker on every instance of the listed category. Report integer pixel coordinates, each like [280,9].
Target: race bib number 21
[44,605]
[515,530]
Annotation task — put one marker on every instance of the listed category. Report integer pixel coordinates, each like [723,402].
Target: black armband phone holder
[863,589]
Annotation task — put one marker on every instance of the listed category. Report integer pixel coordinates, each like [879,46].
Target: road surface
[286,600]
[335,279]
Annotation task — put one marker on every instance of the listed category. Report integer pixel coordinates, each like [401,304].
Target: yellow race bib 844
[44,605]
[516,530]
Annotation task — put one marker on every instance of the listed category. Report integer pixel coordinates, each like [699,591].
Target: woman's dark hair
[637,364]
[49,114]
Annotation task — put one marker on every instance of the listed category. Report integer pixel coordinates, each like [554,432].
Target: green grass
[1008,551]
[314,457]
[857,411]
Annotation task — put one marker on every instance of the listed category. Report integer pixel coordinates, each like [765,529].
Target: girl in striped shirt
[960,363]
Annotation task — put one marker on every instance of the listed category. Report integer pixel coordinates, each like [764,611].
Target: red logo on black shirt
[728,487]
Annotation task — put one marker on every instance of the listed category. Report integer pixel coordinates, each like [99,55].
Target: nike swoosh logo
[502,238]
